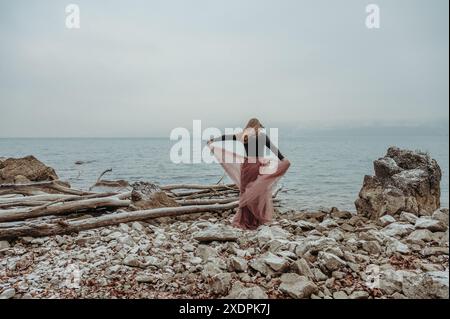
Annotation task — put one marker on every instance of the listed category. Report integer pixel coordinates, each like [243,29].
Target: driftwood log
[107,220]
[50,208]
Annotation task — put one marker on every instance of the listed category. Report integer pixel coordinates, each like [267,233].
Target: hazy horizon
[141,68]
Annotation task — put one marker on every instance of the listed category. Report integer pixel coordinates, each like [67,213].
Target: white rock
[296,286]
[302,268]
[238,264]
[408,217]
[420,235]
[4,244]
[386,220]
[430,224]
[220,283]
[216,233]
[397,229]
[138,227]
[8,293]
[340,295]
[441,215]
[330,261]
[359,294]
[429,285]
[239,291]
[132,261]
[278,264]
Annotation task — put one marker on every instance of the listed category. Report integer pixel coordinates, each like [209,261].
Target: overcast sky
[141,68]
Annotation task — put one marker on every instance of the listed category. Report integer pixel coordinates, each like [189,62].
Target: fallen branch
[108,220]
[197,186]
[62,208]
[43,186]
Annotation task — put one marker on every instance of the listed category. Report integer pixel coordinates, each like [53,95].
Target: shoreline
[188,257]
[118,240]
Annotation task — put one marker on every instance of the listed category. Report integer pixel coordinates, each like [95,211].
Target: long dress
[255,177]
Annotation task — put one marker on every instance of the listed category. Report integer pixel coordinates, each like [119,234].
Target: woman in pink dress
[253,174]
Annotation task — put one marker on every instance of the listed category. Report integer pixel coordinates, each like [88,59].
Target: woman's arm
[229,137]
[272,147]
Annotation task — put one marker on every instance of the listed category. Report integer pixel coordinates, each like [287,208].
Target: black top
[256,142]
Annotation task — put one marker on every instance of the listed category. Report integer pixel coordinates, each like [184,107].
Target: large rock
[25,169]
[404,181]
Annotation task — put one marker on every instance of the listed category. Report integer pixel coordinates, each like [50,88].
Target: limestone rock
[239,291]
[221,283]
[420,235]
[8,293]
[404,181]
[329,261]
[398,229]
[27,167]
[147,196]
[4,244]
[216,233]
[296,286]
[429,285]
[441,215]
[302,268]
[408,217]
[238,264]
[432,225]
[277,263]
[386,220]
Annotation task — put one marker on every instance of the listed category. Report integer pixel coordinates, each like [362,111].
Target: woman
[252,173]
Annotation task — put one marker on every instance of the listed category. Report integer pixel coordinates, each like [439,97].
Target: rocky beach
[394,245]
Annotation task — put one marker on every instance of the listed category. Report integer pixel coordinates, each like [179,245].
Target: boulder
[25,169]
[404,181]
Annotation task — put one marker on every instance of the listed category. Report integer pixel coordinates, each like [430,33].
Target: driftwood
[108,220]
[49,208]
[62,208]
[31,188]
[197,186]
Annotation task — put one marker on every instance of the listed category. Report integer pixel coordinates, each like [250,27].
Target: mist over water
[326,170]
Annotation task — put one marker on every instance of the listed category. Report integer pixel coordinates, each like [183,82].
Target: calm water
[325,171]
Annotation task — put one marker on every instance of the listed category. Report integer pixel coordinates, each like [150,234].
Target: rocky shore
[375,252]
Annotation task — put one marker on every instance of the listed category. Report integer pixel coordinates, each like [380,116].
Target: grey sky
[141,68]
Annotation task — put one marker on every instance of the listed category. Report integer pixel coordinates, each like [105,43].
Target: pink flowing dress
[255,177]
